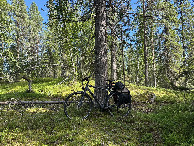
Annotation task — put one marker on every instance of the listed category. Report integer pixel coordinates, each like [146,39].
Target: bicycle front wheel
[78,105]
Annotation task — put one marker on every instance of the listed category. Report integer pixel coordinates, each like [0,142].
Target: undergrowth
[167,121]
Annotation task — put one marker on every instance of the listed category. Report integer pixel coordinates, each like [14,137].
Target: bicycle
[79,104]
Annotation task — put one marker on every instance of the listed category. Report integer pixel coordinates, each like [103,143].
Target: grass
[168,121]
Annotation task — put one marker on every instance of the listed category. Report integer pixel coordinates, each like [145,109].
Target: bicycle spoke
[77,106]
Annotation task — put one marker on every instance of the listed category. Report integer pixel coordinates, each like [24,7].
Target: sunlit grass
[168,121]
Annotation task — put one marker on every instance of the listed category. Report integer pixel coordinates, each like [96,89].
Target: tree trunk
[145,48]
[113,57]
[1,60]
[183,44]
[29,83]
[113,42]
[153,56]
[100,47]
[122,51]
[137,71]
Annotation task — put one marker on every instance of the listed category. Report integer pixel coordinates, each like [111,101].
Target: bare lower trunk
[100,47]
[29,83]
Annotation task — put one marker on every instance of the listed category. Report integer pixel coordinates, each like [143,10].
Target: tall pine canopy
[150,44]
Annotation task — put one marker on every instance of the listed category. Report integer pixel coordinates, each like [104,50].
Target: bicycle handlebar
[103,88]
[109,84]
[86,78]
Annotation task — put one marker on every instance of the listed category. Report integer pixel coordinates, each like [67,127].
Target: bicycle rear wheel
[78,105]
[117,110]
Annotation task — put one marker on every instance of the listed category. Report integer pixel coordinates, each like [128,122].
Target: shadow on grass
[169,125]
[175,121]
[23,95]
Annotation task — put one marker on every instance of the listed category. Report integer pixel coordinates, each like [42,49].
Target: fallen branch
[30,102]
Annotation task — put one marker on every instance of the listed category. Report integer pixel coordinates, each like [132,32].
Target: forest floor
[169,120]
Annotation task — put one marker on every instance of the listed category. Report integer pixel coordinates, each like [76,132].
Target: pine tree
[118,33]
[151,11]
[170,50]
[138,51]
[186,33]
[100,46]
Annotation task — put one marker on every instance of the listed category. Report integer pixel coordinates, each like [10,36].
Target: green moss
[168,121]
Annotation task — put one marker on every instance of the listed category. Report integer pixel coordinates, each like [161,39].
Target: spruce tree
[186,33]
[170,51]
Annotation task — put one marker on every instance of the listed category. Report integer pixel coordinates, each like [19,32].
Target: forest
[149,47]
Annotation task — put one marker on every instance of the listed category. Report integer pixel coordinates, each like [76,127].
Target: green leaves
[65,46]
[70,41]
[21,39]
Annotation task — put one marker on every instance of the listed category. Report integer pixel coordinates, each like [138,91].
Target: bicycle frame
[104,104]
[88,98]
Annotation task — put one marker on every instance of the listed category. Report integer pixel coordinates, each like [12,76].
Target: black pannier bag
[122,95]
[119,86]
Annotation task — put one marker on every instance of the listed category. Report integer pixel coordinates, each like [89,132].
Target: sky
[41,6]
[44,11]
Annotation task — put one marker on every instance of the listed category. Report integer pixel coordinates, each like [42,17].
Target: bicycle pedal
[105,108]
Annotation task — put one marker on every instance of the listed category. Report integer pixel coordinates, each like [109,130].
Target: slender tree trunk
[113,57]
[154,67]
[29,83]
[100,46]
[113,43]
[183,44]
[37,59]
[123,63]
[18,55]
[167,57]
[137,71]
[144,45]
[153,56]
[1,60]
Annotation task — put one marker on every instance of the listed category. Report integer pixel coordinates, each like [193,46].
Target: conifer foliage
[150,44]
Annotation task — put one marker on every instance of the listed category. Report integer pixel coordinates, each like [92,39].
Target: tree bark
[113,57]
[153,55]
[122,51]
[145,48]
[137,71]
[113,46]
[29,83]
[100,47]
